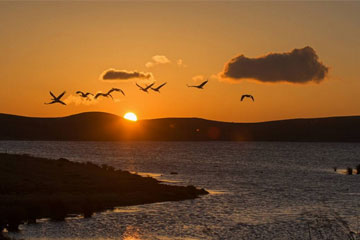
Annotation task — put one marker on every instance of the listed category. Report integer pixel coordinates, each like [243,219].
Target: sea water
[258,190]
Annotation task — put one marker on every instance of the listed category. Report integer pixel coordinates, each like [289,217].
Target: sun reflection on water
[131,233]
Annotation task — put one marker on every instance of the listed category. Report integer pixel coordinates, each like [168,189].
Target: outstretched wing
[139,86]
[161,86]
[52,94]
[147,87]
[80,92]
[242,97]
[50,102]
[61,102]
[61,95]
[203,84]
[89,94]
[98,95]
[252,97]
[113,89]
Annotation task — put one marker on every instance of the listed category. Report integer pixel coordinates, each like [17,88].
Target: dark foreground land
[98,126]
[33,188]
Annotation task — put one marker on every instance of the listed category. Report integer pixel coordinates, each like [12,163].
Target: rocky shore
[32,188]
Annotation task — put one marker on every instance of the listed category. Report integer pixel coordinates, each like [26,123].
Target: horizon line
[193,117]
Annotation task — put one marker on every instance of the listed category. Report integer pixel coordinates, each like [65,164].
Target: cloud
[149,64]
[75,99]
[180,63]
[156,60]
[201,78]
[298,66]
[198,78]
[160,59]
[113,74]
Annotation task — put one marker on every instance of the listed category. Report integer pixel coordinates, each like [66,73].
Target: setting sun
[130,116]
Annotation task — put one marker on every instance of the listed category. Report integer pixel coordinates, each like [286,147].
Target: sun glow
[130,116]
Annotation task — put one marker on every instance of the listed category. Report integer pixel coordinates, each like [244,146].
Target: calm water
[259,190]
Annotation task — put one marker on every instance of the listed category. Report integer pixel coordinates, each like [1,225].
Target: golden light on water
[130,116]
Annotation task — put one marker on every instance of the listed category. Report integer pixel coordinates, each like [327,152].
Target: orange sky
[61,46]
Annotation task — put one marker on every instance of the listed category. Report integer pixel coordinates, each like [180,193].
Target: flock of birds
[57,99]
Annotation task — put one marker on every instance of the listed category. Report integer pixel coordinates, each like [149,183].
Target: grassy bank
[33,188]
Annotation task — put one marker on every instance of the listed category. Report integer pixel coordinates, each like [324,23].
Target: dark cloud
[297,66]
[113,74]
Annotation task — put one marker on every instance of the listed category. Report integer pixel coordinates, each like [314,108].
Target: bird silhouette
[247,96]
[84,95]
[198,86]
[116,90]
[103,95]
[56,99]
[158,88]
[146,88]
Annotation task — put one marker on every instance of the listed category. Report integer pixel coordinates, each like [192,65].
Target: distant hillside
[97,126]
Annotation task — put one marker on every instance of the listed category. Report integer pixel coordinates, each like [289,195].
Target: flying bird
[158,88]
[56,99]
[146,88]
[116,90]
[247,96]
[84,95]
[198,86]
[103,95]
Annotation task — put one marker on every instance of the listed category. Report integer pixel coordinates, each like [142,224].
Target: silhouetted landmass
[32,188]
[97,126]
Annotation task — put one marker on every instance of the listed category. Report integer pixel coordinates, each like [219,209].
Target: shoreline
[33,188]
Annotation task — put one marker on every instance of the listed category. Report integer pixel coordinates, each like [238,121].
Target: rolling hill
[98,126]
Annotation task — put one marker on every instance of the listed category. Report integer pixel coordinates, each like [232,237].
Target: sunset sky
[69,46]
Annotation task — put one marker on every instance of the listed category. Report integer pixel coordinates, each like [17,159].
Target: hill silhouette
[99,126]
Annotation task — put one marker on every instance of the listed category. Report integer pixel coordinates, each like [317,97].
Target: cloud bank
[113,74]
[298,66]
